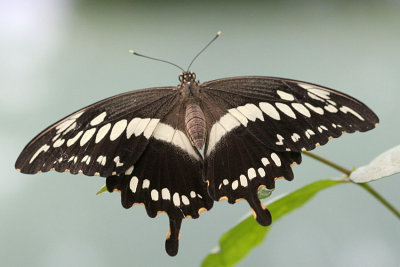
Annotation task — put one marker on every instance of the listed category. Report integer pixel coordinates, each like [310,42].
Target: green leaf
[386,164]
[102,190]
[264,193]
[235,244]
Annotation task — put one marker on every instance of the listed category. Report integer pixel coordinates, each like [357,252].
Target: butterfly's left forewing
[105,138]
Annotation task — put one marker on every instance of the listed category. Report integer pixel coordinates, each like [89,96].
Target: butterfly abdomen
[195,123]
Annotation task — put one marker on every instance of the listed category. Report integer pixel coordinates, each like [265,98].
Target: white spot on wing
[235,184]
[176,199]
[102,132]
[43,148]
[141,126]
[239,116]
[166,133]
[86,159]
[146,184]
[270,110]
[286,109]
[317,110]
[150,128]
[261,172]
[225,181]
[87,135]
[72,141]
[265,161]
[309,132]
[58,143]
[192,194]
[280,139]
[130,129]
[285,96]
[165,194]
[118,128]
[295,137]
[243,180]
[185,200]
[117,162]
[133,184]
[301,109]
[251,111]
[276,159]
[154,195]
[319,92]
[98,119]
[129,171]
[225,124]
[345,109]
[331,108]
[251,173]
[102,160]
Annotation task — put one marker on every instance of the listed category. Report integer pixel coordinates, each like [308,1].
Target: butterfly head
[187,77]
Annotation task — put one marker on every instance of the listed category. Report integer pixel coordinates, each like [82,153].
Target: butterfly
[178,149]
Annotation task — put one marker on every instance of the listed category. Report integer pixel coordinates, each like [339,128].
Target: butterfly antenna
[201,51]
[157,59]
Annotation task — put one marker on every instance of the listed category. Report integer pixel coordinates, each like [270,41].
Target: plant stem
[366,186]
[327,162]
[380,198]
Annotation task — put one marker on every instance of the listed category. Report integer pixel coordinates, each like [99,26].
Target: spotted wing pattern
[260,127]
[256,129]
[102,139]
[165,180]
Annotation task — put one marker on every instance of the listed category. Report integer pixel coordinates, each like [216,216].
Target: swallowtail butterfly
[178,149]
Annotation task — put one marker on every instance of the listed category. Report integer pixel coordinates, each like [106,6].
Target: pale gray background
[58,56]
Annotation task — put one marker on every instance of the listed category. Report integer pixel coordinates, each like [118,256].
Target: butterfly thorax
[195,122]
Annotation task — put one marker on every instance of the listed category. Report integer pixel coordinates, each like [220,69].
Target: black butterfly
[148,143]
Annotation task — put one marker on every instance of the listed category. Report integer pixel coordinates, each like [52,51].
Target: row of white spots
[165,193]
[137,126]
[323,95]
[252,173]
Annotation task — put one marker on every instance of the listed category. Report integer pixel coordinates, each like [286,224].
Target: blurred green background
[57,56]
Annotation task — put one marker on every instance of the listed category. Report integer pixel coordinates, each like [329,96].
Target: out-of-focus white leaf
[386,164]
